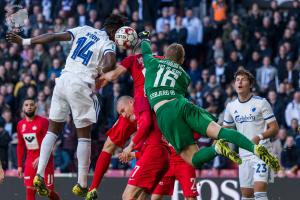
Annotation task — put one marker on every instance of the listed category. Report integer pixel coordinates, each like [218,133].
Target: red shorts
[150,169]
[30,172]
[121,131]
[186,176]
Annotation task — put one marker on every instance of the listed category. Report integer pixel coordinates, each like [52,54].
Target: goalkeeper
[166,83]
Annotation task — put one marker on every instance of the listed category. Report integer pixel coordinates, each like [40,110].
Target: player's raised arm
[40,39]
[145,46]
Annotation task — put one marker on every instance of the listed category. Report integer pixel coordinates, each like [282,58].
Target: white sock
[260,196]
[46,149]
[83,157]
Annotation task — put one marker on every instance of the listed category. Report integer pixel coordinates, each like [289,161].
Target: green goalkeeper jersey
[164,79]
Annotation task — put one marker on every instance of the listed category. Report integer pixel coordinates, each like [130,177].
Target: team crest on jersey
[23,127]
[253,109]
[34,128]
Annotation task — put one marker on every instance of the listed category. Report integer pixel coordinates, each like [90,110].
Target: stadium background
[219,37]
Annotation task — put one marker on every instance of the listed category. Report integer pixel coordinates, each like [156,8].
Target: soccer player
[116,137]
[31,131]
[183,172]
[119,135]
[253,116]
[1,173]
[92,53]
[166,83]
[154,161]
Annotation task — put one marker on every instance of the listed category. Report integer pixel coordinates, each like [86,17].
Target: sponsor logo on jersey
[244,118]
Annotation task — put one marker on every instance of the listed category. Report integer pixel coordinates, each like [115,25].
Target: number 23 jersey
[88,48]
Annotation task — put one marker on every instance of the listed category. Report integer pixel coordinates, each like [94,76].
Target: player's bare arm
[116,73]
[40,39]
[271,131]
[108,63]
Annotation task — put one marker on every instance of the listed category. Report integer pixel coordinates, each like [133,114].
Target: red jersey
[30,136]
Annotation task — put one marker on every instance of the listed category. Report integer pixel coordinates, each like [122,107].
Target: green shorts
[179,119]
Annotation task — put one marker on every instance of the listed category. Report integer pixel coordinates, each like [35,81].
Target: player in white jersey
[252,116]
[92,53]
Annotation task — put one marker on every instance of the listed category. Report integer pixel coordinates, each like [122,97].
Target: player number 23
[261,168]
[164,77]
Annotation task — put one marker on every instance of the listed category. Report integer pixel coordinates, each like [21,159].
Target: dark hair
[114,22]
[28,98]
[246,73]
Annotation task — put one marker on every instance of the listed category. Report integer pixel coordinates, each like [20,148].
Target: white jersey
[88,48]
[250,118]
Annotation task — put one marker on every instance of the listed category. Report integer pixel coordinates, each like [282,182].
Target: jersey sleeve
[127,62]
[74,31]
[109,46]
[147,53]
[267,111]
[228,120]
[20,147]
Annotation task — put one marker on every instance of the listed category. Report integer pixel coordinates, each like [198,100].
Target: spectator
[219,11]
[277,107]
[42,105]
[292,110]
[179,32]
[61,158]
[216,51]
[293,130]
[266,75]
[290,156]
[194,71]
[55,68]
[163,20]
[194,34]
[254,63]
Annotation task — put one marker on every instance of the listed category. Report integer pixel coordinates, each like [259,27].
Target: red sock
[30,194]
[53,195]
[101,167]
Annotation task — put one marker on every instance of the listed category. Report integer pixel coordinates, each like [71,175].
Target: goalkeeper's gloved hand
[144,35]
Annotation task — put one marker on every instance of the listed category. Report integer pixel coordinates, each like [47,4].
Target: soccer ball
[126,37]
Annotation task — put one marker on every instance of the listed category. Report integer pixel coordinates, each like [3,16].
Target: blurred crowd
[219,37]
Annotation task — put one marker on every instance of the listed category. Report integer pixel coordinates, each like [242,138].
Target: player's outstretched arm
[40,39]
[116,73]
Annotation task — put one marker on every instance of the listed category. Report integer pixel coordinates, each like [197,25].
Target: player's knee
[109,146]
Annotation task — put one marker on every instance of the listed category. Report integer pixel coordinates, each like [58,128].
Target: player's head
[176,53]
[113,23]
[243,81]
[29,107]
[125,107]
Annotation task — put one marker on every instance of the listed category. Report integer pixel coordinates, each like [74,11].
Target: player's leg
[186,175]
[59,111]
[246,173]
[49,180]
[101,167]
[262,175]
[30,193]
[205,124]
[165,187]
[132,192]
[83,156]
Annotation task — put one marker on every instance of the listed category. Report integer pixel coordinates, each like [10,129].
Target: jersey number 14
[82,50]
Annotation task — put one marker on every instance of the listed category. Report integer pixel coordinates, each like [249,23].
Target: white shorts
[252,170]
[73,95]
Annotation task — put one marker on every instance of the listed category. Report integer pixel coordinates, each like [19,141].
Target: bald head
[125,107]
[176,53]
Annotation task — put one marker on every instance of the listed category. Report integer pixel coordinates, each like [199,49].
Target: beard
[30,114]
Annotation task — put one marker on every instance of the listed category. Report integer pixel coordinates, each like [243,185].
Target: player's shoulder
[232,102]
[22,121]
[41,118]
[258,98]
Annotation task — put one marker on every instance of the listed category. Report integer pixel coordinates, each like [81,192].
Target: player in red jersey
[116,137]
[183,172]
[154,162]
[31,131]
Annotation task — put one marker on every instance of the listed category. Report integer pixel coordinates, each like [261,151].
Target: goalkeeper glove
[144,35]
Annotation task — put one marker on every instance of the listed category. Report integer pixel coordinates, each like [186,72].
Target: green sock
[204,155]
[237,138]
